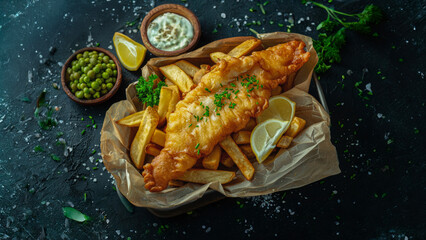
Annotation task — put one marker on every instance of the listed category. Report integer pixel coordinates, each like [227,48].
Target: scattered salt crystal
[223,15]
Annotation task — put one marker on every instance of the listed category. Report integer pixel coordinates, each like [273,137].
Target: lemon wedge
[265,136]
[280,108]
[130,53]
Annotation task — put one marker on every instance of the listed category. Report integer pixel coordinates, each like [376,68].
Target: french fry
[204,176]
[178,77]
[169,83]
[241,137]
[246,149]
[276,91]
[226,160]
[163,106]
[250,125]
[212,160]
[296,126]
[244,48]
[133,120]
[159,137]
[152,149]
[187,67]
[174,100]
[143,136]
[284,142]
[238,157]
[217,56]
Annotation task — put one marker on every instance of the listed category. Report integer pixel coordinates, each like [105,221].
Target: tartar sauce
[170,32]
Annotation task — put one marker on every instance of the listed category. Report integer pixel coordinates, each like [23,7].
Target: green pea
[74,86]
[86,69]
[75,68]
[109,80]
[101,54]
[114,72]
[91,74]
[95,85]
[110,61]
[97,69]
[104,66]
[109,86]
[81,61]
[86,90]
[76,75]
[73,63]
[86,79]
[86,54]
[79,56]
[69,70]
[87,96]
[83,85]
[105,59]
[97,95]
[92,91]
[99,81]
[93,60]
[113,66]
[79,94]
[103,86]
[104,91]
[105,75]
[108,70]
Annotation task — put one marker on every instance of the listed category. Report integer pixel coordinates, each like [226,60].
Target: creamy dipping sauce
[170,32]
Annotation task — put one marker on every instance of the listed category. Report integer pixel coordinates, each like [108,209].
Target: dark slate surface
[379,194]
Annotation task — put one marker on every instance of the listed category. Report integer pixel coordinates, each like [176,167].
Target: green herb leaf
[55,157]
[74,214]
[146,91]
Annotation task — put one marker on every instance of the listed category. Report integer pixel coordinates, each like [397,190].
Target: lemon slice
[265,136]
[130,53]
[280,108]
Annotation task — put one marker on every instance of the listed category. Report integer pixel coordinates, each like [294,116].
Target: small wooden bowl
[172,8]
[65,78]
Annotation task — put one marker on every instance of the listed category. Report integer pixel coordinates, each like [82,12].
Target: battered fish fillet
[223,102]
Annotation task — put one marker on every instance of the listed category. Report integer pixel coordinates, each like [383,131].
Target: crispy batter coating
[227,96]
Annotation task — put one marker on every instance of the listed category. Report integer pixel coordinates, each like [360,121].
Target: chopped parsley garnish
[146,91]
[196,146]
[208,90]
[232,105]
[190,125]
[198,152]
[54,157]
[38,148]
[207,113]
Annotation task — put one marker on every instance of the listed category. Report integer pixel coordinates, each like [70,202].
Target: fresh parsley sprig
[331,40]
[146,91]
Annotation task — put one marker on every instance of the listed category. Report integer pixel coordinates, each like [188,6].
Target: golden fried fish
[222,103]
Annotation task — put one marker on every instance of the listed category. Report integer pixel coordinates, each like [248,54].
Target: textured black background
[379,194]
